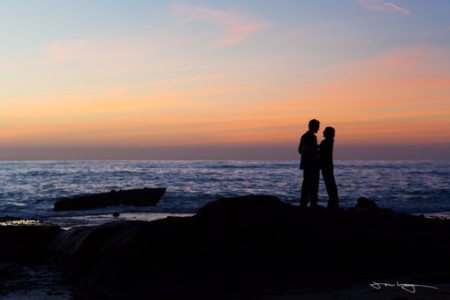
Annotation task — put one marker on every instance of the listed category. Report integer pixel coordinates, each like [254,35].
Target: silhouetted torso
[308,150]
[326,154]
[309,163]
[326,164]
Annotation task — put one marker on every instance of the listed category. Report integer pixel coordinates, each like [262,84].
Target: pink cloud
[295,34]
[235,28]
[77,50]
[66,51]
[399,9]
[10,66]
[422,62]
[382,6]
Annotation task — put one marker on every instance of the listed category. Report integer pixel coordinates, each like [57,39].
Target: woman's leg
[330,183]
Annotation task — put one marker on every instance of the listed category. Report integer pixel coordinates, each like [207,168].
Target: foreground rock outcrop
[237,244]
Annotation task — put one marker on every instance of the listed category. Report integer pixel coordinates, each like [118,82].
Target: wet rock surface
[18,281]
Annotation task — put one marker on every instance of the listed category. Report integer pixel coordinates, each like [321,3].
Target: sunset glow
[145,74]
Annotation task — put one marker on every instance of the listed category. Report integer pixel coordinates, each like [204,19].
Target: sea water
[30,188]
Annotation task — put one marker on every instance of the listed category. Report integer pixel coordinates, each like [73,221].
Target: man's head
[314,125]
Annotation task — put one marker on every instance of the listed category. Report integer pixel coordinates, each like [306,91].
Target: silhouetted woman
[326,164]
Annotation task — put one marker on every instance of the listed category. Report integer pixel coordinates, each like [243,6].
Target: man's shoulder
[307,134]
[309,138]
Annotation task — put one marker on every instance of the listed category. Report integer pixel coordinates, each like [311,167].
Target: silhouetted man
[309,163]
[326,164]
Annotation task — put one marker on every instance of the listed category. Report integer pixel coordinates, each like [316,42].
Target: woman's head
[329,132]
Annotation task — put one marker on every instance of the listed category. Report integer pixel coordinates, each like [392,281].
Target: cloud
[295,34]
[397,9]
[404,62]
[383,6]
[97,49]
[66,51]
[10,66]
[235,28]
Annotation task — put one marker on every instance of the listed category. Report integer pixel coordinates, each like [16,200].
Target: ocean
[30,188]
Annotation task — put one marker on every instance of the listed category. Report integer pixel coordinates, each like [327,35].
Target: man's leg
[306,187]
[315,177]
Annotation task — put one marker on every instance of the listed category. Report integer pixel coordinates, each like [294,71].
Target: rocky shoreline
[235,248]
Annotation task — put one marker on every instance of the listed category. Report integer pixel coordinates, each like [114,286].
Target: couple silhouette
[313,159]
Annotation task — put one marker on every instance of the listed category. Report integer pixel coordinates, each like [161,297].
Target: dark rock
[25,241]
[364,203]
[116,214]
[136,197]
[233,244]
[239,209]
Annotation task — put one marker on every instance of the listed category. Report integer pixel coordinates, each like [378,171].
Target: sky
[235,79]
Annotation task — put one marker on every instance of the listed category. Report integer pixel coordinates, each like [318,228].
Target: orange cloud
[235,28]
[398,96]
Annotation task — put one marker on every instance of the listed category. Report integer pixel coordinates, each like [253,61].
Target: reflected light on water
[23,223]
